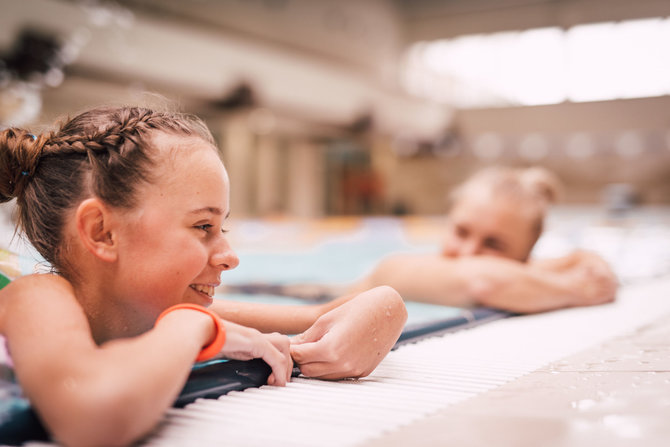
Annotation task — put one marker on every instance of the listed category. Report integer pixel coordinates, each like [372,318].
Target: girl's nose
[224,257]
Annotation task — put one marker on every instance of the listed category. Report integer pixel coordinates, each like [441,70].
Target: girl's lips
[203,288]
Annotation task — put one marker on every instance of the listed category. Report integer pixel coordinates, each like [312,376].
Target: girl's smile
[205,294]
[207,290]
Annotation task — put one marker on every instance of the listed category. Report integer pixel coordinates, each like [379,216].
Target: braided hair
[105,152]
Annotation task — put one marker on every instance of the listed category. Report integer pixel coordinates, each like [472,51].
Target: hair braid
[105,152]
[18,160]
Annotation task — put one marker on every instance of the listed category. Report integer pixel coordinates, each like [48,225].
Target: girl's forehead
[177,153]
[187,166]
[169,146]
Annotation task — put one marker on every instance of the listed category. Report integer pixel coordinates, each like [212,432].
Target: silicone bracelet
[214,346]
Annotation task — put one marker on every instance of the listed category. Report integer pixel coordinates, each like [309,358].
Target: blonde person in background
[494,220]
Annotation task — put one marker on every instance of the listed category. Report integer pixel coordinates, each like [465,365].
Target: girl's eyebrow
[210,210]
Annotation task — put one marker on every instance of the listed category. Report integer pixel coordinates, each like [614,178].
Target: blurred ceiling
[440,19]
[329,61]
[373,20]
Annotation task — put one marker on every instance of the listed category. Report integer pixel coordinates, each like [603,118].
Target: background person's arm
[495,282]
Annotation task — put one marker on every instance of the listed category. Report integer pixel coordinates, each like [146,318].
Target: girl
[128,206]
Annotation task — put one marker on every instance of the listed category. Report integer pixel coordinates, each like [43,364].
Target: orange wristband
[214,346]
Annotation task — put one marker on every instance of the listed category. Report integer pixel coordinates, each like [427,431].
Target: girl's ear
[95,229]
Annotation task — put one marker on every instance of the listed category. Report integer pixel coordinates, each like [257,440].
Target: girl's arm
[95,395]
[492,281]
[85,394]
[267,317]
[346,337]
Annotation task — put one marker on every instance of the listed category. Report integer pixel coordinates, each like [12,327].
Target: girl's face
[172,247]
[482,224]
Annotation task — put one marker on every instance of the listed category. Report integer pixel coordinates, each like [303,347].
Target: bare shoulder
[34,292]
[35,286]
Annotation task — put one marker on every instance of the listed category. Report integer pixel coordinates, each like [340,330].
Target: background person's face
[482,224]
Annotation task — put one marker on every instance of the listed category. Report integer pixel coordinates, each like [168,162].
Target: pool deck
[615,394]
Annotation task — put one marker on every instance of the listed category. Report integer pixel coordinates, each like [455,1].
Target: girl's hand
[351,340]
[244,343]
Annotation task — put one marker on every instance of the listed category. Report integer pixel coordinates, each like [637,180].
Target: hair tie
[25,173]
[32,136]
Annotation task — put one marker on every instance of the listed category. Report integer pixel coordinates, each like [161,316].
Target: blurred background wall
[326,107]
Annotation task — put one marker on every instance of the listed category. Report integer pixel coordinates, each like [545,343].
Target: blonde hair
[534,189]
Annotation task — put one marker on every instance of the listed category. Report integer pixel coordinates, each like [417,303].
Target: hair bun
[19,155]
[541,182]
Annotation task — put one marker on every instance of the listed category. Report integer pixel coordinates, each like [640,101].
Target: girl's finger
[279,364]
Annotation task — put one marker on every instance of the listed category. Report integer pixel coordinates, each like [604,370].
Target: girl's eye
[224,231]
[204,227]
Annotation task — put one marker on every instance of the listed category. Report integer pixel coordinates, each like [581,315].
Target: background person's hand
[594,280]
[351,340]
[587,275]
[244,343]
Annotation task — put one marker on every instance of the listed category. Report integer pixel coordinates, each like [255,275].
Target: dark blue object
[218,377]
[468,318]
